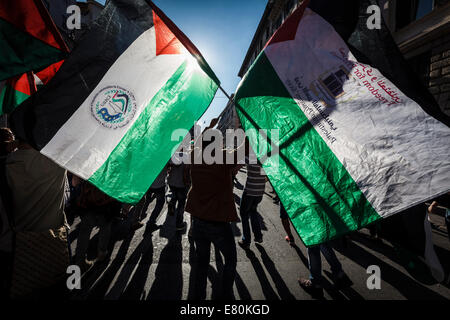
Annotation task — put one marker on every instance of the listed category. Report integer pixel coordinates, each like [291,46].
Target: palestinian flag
[43,76]
[109,113]
[28,37]
[352,147]
[17,89]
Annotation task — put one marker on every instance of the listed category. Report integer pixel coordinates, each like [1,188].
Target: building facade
[229,118]
[275,13]
[421,29]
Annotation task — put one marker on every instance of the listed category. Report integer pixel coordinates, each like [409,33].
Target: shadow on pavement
[238,185]
[241,288]
[142,257]
[282,288]
[237,199]
[168,283]
[419,271]
[97,280]
[409,288]
[268,291]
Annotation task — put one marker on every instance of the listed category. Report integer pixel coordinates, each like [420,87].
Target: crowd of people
[36,195]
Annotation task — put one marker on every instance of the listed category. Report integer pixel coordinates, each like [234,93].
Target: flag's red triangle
[46,74]
[23,83]
[32,17]
[288,29]
[166,41]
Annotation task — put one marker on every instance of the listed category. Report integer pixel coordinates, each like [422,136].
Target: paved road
[158,267]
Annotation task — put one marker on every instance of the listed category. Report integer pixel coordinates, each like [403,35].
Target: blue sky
[222,30]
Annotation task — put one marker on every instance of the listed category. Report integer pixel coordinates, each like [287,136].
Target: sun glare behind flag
[109,113]
[353,148]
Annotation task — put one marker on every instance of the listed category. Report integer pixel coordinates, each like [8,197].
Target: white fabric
[82,145]
[397,154]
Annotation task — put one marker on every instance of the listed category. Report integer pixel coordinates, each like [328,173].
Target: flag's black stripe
[121,22]
[406,229]
[376,48]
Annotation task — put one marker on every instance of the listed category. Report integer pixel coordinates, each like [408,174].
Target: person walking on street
[157,190]
[251,197]
[211,205]
[179,188]
[286,225]
[95,209]
[313,285]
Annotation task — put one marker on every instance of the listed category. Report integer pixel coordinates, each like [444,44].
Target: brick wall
[439,83]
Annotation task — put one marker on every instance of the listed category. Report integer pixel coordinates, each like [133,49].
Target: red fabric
[32,17]
[46,74]
[177,33]
[288,29]
[166,41]
[24,83]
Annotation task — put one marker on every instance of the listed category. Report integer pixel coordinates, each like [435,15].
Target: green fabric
[320,196]
[21,52]
[10,99]
[146,147]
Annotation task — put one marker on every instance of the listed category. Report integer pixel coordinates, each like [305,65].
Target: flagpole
[229,99]
[225,93]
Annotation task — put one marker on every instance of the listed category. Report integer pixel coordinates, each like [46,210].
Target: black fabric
[5,194]
[377,48]
[121,22]
[406,229]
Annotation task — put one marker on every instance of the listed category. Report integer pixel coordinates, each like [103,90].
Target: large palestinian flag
[353,148]
[109,113]
[29,39]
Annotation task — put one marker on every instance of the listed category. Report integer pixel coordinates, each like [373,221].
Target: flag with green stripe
[15,91]
[19,88]
[29,39]
[109,113]
[351,148]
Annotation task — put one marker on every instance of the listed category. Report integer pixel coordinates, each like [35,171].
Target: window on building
[410,11]
[424,7]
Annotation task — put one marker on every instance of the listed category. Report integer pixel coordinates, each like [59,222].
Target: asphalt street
[158,266]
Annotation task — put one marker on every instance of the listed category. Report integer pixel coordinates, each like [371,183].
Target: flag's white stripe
[82,145]
[398,155]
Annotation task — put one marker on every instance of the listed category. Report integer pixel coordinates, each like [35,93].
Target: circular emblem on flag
[113,107]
